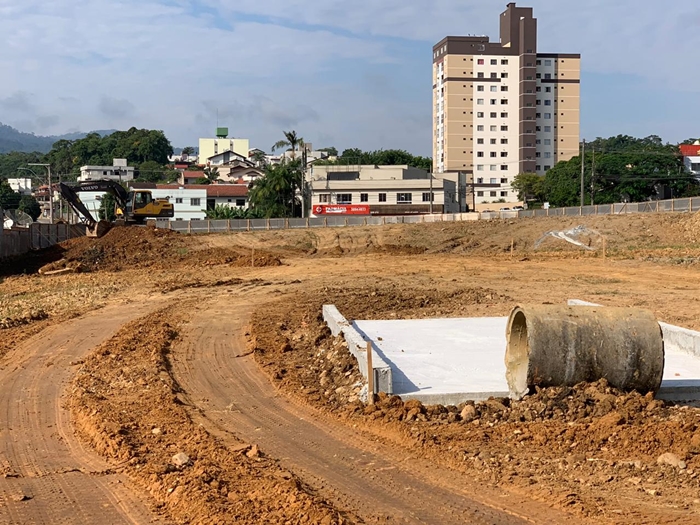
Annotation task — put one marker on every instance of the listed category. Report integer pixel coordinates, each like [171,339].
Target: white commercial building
[211,147]
[378,190]
[691,157]
[22,186]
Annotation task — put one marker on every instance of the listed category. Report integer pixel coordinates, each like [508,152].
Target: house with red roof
[691,157]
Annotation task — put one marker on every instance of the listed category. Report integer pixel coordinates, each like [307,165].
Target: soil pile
[134,247]
[126,404]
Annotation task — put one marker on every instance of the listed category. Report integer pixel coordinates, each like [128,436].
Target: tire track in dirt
[47,475]
[231,397]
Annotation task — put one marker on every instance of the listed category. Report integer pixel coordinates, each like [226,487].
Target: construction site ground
[154,377]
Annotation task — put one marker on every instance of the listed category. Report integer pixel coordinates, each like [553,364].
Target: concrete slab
[448,361]
[442,361]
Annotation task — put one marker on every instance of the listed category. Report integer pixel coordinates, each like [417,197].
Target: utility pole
[593,179]
[583,166]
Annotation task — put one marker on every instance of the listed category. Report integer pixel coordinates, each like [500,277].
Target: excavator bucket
[99,229]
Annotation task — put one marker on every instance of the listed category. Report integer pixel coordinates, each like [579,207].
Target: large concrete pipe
[553,345]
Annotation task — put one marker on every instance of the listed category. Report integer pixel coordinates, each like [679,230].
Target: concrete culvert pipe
[554,345]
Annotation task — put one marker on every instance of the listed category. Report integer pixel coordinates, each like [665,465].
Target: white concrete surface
[443,361]
[447,361]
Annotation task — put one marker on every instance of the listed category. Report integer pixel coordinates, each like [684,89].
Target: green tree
[221,212]
[150,171]
[202,180]
[30,206]
[529,186]
[259,158]
[381,158]
[211,174]
[108,206]
[9,199]
[275,193]
[291,142]
[188,150]
[11,162]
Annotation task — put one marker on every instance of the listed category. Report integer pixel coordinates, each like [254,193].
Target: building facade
[691,157]
[378,190]
[118,172]
[500,109]
[209,148]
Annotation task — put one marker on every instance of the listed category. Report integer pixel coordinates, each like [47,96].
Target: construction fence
[17,241]
[239,225]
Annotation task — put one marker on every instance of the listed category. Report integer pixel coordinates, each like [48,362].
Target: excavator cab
[140,205]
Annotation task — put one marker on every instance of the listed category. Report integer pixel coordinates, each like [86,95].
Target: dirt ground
[230,364]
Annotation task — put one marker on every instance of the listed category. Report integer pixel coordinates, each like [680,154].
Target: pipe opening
[517,355]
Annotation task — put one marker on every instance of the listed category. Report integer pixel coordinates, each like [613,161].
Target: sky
[343,74]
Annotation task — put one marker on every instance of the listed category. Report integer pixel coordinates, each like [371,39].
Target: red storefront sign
[341,209]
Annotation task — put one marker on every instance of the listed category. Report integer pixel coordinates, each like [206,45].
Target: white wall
[184,202]
[231,202]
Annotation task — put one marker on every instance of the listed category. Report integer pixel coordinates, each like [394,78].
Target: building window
[404,198]
[504,88]
[493,141]
[480,101]
[504,194]
[504,101]
[504,141]
[494,62]
[494,167]
[492,193]
[504,153]
[494,88]
[539,62]
[493,114]
[538,154]
[494,128]
[382,197]
[480,75]
[479,141]
[547,155]
[493,180]
[548,89]
[195,202]
[539,102]
[504,167]
[343,198]
[324,197]
[538,168]
[479,193]
[504,75]
[538,141]
[480,127]
[480,61]
[479,167]
[504,115]
[494,75]
[547,142]
[504,128]
[539,89]
[547,102]
[504,62]
[364,197]
[479,180]
[547,62]
[479,114]
[178,200]
[479,88]
[548,76]
[493,154]
[493,101]
[538,75]
[547,115]
[504,181]
[479,153]
[547,168]
[538,115]
[548,129]
[426,197]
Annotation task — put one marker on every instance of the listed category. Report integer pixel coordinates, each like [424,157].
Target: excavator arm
[70,194]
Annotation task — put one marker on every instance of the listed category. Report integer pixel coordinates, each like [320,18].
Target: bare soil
[589,454]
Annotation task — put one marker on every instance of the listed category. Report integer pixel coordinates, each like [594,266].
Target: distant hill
[15,140]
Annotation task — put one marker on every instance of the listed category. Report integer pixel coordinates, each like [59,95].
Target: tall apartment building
[500,109]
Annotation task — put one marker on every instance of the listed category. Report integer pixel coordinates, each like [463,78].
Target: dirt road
[231,397]
[47,475]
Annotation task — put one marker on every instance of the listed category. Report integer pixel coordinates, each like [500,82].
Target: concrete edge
[451,399]
[357,345]
[676,338]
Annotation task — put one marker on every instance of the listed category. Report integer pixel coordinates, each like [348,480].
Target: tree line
[616,169]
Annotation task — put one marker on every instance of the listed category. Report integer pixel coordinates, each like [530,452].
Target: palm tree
[188,150]
[212,174]
[291,142]
[259,158]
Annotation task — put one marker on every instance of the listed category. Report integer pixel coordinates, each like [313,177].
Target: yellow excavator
[132,207]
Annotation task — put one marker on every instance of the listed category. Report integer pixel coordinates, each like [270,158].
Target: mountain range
[12,139]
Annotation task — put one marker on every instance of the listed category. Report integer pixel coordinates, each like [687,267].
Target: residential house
[119,172]
[691,157]
[208,197]
[211,147]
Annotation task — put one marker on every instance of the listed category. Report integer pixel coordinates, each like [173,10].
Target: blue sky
[346,74]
